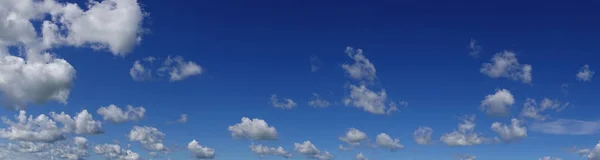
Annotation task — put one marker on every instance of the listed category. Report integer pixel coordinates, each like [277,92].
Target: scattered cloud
[533,111]
[474,48]
[178,69]
[465,157]
[115,114]
[254,129]
[183,118]
[362,68]
[422,135]
[353,137]
[506,65]
[385,141]
[585,74]
[316,101]
[114,151]
[199,151]
[139,72]
[315,63]
[566,127]
[591,154]
[360,156]
[82,123]
[38,129]
[311,151]
[370,101]
[285,104]
[465,135]
[150,137]
[262,151]
[564,88]
[512,133]
[498,104]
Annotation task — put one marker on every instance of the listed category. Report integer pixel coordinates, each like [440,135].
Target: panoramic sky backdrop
[277,79]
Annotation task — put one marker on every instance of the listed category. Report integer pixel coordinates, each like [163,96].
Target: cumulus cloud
[199,151]
[566,127]
[311,151]
[506,65]
[385,141]
[316,101]
[315,63]
[360,156]
[42,150]
[585,74]
[498,104]
[353,137]
[115,114]
[474,48]
[370,101]
[38,129]
[591,154]
[422,135]
[532,110]
[178,69]
[285,104]
[150,137]
[362,68]
[139,72]
[465,135]
[254,129]
[182,119]
[81,142]
[262,151]
[512,133]
[113,151]
[82,123]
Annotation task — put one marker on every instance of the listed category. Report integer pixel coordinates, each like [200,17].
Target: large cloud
[114,151]
[498,104]
[150,137]
[465,135]
[261,151]
[199,151]
[422,135]
[585,73]
[353,137]
[311,151]
[368,100]
[385,141]
[512,133]
[117,115]
[255,129]
[506,65]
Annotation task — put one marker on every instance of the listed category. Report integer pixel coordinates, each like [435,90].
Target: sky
[231,80]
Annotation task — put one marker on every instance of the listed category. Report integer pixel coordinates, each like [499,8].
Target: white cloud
[150,137]
[591,154]
[512,133]
[82,123]
[182,119]
[315,63]
[533,111]
[113,151]
[465,157]
[316,101]
[385,141]
[465,135]
[373,102]
[549,158]
[360,156]
[38,129]
[178,69]
[498,104]
[474,48]
[506,65]
[566,127]
[311,151]
[255,129]
[199,151]
[353,137]
[115,114]
[362,68]
[81,142]
[285,104]
[140,73]
[261,151]
[585,74]
[422,135]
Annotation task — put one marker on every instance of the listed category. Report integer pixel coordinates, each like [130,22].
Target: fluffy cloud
[82,123]
[81,142]
[506,65]
[261,151]
[591,154]
[178,69]
[362,68]
[353,137]
[255,129]
[373,102]
[465,157]
[311,151]
[115,114]
[140,73]
[465,135]
[474,48]
[585,73]
[113,151]
[498,104]
[199,151]
[315,62]
[285,104]
[150,137]
[42,150]
[566,127]
[182,119]
[512,133]
[360,156]
[385,141]
[316,101]
[533,111]
[38,129]
[549,158]
[422,135]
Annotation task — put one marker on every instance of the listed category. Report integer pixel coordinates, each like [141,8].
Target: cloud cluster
[254,129]
[114,151]
[150,137]
[532,110]
[465,135]
[200,151]
[262,151]
[175,67]
[82,123]
[505,64]
[115,114]
[311,151]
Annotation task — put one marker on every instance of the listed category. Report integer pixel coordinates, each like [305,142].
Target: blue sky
[247,51]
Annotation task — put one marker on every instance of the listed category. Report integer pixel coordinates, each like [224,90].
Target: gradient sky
[421,51]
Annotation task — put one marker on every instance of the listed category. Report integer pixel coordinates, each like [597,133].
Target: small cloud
[505,64]
[315,63]
[585,74]
[567,127]
[474,48]
[285,104]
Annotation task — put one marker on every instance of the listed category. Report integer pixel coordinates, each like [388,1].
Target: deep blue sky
[252,49]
